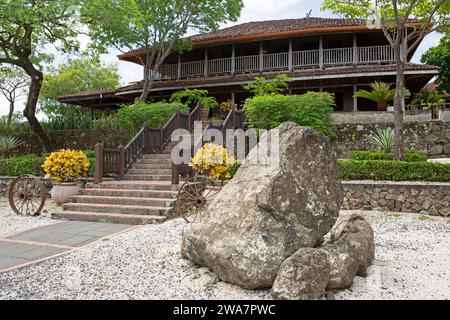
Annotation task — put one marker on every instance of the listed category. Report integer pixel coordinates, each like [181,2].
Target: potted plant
[66,167]
[196,96]
[381,94]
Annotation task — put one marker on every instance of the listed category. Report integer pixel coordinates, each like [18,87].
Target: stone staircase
[145,195]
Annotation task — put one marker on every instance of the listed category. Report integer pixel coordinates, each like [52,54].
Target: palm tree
[381,93]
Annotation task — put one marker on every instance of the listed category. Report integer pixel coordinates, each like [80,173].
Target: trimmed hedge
[32,164]
[410,156]
[393,170]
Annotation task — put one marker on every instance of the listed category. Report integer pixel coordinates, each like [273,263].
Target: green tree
[440,56]
[78,75]
[261,87]
[404,23]
[27,29]
[13,81]
[381,94]
[153,27]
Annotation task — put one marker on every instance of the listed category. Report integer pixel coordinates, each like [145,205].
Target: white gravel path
[11,223]
[412,262]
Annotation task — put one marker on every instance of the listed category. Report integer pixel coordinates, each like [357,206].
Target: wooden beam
[321,52]
[179,67]
[355,99]
[355,50]
[233,58]
[290,55]
[261,56]
[205,72]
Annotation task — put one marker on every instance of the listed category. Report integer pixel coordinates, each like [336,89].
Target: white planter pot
[390,109]
[62,192]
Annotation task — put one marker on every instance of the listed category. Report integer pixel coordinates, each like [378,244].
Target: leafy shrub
[261,87]
[226,106]
[393,170]
[212,159]
[194,96]
[409,156]
[155,114]
[7,144]
[66,165]
[16,166]
[310,109]
[383,138]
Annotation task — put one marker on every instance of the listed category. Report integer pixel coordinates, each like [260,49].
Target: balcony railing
[279,61]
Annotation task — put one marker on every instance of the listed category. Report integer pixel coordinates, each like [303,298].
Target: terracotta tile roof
[249,77]
[432,86]
[88,93]
[275,26]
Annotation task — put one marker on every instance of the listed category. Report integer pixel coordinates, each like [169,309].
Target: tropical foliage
[310,109]
[427,98]
[134,116]
[440,56]
[66,165]
[193,96]
[213,161]
[383,138]
[261,87]
[381,94]
[76,76]
[8,144]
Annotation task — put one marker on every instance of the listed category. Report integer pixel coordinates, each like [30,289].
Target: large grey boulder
[352,250]
[268,212]
[302,276]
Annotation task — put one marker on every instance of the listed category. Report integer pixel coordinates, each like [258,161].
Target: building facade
[339,56]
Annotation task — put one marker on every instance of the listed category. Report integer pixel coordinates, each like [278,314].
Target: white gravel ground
[11,224]
[412,262]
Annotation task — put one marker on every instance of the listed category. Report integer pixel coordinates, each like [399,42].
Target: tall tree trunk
[10,114]
[30,108]
[399,98]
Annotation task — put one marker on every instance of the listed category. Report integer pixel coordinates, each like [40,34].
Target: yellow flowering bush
[66,165]
[213,161]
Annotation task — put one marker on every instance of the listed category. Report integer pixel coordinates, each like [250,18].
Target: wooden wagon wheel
[193,196]
[27,195]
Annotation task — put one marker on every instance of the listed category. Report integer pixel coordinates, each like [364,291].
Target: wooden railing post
[175,174]
[161,139]
[98,171]
[146,138]
[122,164]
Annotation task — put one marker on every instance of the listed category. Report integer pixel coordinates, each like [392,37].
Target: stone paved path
[49,241]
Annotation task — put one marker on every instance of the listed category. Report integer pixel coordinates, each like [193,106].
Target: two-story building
[320,54]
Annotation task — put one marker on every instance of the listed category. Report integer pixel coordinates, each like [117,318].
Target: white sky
[254,10]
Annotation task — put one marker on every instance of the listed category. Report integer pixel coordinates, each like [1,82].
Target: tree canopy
[27,29]
[440,56]
[155,26]
[13,81]
[77,75]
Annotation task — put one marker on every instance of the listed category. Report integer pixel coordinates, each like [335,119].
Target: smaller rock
[436,149]
[303,276]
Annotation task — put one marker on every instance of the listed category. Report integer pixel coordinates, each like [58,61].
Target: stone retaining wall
[431,198]
[432,137]
[420,197]
[364,117]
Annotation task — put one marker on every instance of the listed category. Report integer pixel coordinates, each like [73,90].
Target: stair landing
[144,196]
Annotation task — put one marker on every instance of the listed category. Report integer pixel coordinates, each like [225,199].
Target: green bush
[134,116]
[17,166]
[393,170]
[310,109]
[32,164]
[410,156]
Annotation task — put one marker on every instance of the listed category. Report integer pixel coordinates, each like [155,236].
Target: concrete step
[152,166]
[135,185]
[132,201]
[165,156]
[154,161]
[147,177]
[108,217]
[113,208]
[130,193]
[149,171]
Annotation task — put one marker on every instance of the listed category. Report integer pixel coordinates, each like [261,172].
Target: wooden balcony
[284,61]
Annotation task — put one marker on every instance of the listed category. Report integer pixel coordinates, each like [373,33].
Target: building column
[179,67]
[206,63]
[233,96]
[321,52]
[233,58]
[261,56]
[355,99]
[355,50]
[290,54]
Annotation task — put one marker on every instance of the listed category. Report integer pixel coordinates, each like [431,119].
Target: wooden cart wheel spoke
[27,195]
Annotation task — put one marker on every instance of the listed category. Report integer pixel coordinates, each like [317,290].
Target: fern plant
[384,139]
[7,144]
